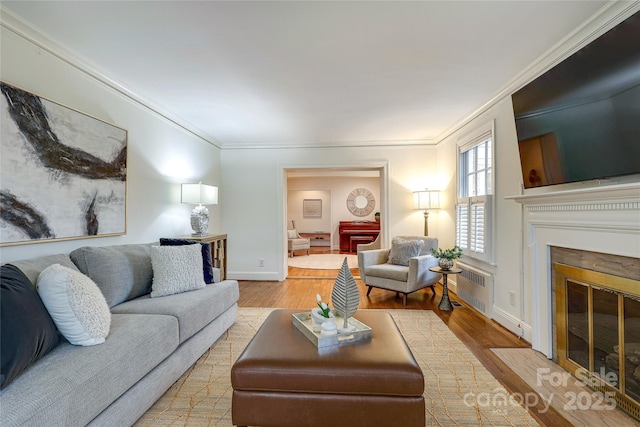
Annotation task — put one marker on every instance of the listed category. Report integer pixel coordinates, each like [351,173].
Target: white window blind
[477,227]
[462,225]
[472,231]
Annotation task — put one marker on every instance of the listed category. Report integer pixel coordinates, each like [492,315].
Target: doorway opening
[316,200]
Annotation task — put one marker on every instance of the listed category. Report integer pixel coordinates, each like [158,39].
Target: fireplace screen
[578,324]
[632,347]
[598,331]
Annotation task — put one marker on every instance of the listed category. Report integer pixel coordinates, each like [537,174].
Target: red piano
[354,233]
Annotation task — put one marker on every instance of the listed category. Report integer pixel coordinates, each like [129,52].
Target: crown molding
[333,144]
[610,15]
[30,33]
[24,29]
[602,21]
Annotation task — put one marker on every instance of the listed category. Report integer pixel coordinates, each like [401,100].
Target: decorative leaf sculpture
[345,295]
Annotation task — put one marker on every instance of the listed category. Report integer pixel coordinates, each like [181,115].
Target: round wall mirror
[361,202]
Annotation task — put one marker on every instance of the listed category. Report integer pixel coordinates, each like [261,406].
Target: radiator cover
[475,287]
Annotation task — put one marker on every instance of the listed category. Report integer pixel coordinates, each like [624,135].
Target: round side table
[445,302]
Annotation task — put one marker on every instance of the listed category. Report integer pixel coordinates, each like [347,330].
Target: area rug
[459,391]
[323,261]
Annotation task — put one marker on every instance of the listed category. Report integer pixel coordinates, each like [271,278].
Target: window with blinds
[475,189]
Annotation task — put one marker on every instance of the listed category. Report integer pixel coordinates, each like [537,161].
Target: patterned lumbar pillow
[176,269]
[403,250]
[75,304]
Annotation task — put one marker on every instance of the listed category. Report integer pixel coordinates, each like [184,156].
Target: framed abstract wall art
[312,208]
[63,173]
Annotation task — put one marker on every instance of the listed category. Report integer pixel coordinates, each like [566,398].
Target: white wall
[252,209]
[161,155]
[338,189]
[410,169]
[295,202]
[254,213]
[509,239]
[508,214]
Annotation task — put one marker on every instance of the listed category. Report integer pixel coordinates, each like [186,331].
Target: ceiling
[245,74]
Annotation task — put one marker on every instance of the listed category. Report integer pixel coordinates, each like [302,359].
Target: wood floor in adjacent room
[479,334]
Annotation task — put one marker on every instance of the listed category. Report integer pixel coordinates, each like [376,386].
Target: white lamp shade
[427,199]
[199,194]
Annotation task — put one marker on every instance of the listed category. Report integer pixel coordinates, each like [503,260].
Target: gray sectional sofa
[151,343]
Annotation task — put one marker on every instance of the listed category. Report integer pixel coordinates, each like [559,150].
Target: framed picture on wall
[312,208]
[63,173]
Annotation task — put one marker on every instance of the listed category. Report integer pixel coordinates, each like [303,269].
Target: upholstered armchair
[403,268]
[296,243]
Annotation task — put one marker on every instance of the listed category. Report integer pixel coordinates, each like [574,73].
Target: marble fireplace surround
[604,219]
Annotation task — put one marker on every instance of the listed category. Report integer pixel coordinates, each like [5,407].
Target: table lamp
[199,194]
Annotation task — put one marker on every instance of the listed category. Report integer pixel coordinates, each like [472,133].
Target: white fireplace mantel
[629,192]
[602,219]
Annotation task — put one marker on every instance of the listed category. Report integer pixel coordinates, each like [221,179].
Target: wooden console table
[218,244]
[361,231]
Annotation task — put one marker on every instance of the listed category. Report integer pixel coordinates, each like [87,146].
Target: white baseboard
[271,276]
[512,323]
[452,285]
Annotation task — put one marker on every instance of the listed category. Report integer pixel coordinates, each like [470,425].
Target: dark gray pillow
[122,272]
[27,332]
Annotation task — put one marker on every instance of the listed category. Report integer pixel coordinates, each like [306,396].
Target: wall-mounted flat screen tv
[580,120]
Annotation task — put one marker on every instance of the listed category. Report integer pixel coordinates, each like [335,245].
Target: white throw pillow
[292,234]
[75,304]
[176,269]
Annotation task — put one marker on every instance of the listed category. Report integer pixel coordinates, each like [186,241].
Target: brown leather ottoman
[282,379]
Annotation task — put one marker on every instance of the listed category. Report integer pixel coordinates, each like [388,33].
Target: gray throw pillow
[403,250]
[176,269]
[122,272]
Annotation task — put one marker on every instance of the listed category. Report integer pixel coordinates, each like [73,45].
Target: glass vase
[445,263]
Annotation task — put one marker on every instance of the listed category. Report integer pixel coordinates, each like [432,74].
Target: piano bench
[359,240]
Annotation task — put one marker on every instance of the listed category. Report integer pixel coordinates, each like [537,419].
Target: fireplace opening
[598,332]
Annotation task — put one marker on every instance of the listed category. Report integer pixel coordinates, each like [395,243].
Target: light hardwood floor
[479,334]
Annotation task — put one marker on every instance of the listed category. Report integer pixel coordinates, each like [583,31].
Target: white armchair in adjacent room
[295,242]
[403,268]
